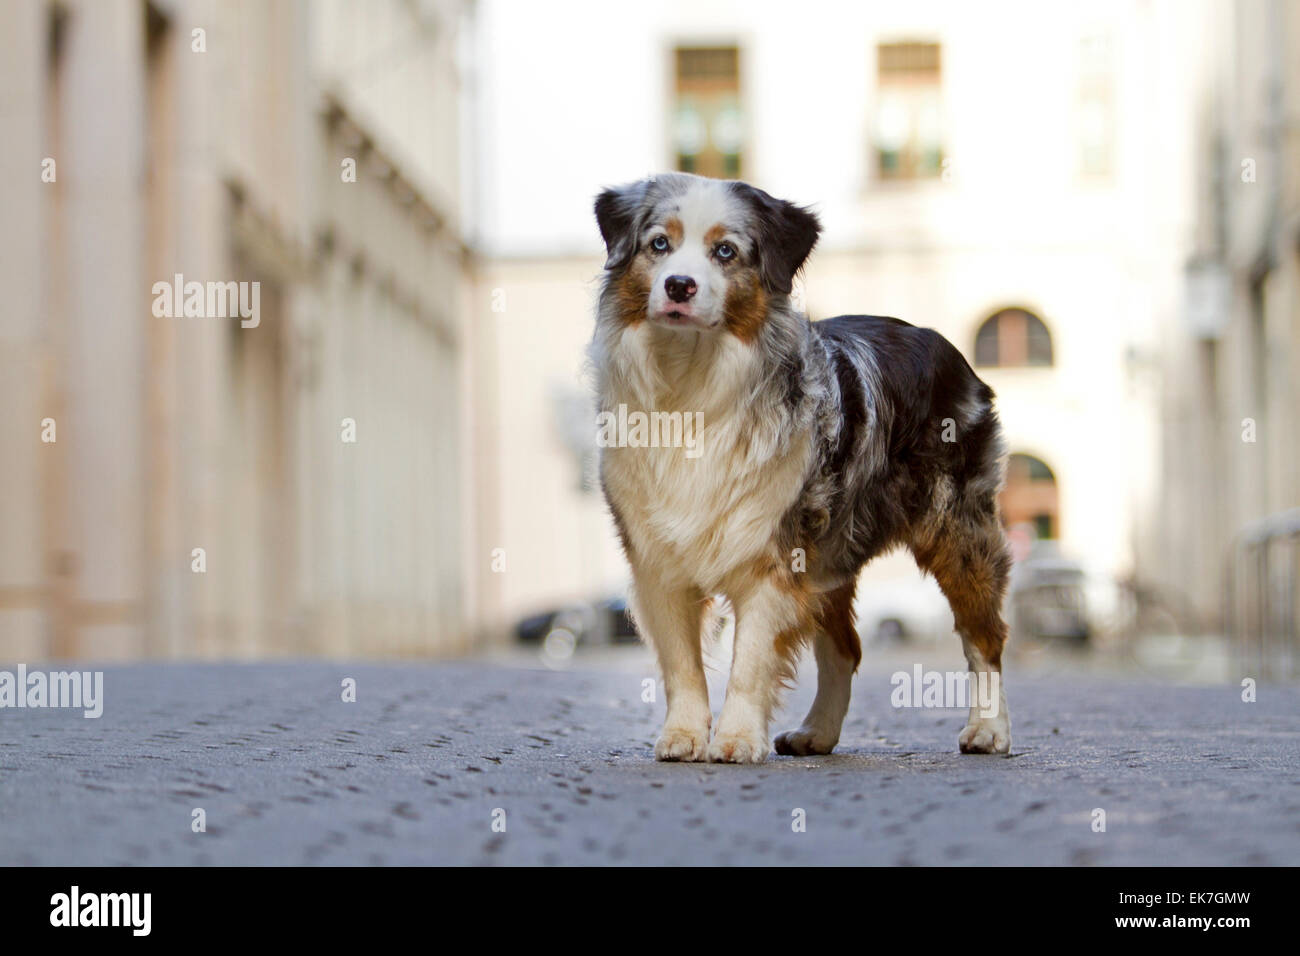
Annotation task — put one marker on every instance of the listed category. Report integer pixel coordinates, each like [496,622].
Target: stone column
[24,396]
[208,513]
[106,299]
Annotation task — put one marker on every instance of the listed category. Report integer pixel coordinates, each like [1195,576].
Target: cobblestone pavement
[412,772]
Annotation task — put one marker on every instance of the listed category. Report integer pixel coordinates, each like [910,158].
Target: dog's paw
[986,735]
[682,743]
[804,741]
[739,748]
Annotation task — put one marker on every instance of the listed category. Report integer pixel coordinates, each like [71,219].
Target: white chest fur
[695,514]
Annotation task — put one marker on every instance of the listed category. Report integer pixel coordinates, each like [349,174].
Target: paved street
[412,772]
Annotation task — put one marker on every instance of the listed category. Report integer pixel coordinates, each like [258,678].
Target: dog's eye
[659,243]
[725,251]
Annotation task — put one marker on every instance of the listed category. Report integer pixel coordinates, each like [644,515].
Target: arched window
[1030,496]
[1013,337]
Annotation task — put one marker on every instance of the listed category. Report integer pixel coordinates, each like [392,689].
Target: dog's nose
[680,288]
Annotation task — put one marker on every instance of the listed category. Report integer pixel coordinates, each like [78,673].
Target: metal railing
[1261,599]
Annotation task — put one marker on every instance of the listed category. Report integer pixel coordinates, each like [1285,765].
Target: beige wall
[183,433]
[556,538]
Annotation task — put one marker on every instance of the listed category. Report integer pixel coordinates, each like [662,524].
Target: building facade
[1018,182]
[184,478]
[1229,526]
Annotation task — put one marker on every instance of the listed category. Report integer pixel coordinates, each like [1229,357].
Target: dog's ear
[786,234]
[619,211]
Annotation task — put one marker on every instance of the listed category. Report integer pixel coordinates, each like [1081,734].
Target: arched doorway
[1031,497]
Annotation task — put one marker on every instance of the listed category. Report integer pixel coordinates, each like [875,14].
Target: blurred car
[604,621]
[1048,597]
[909,608]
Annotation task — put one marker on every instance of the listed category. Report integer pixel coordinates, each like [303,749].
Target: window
[909,114]
[708,125]
[1030,496]
[1013,337]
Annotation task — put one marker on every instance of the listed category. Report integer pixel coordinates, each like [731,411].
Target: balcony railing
[1262,593]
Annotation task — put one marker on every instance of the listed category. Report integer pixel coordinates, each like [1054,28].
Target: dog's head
[687,252]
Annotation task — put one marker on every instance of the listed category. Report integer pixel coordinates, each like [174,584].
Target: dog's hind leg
[967,554]
[838,652]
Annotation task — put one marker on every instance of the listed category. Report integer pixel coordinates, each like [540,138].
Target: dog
[822,445]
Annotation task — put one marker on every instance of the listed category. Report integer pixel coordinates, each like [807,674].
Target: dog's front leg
[769,621]
[669,617]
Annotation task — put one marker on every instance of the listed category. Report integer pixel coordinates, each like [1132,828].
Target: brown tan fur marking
[745,309]
[631,291]
[971,563]
[835,620]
